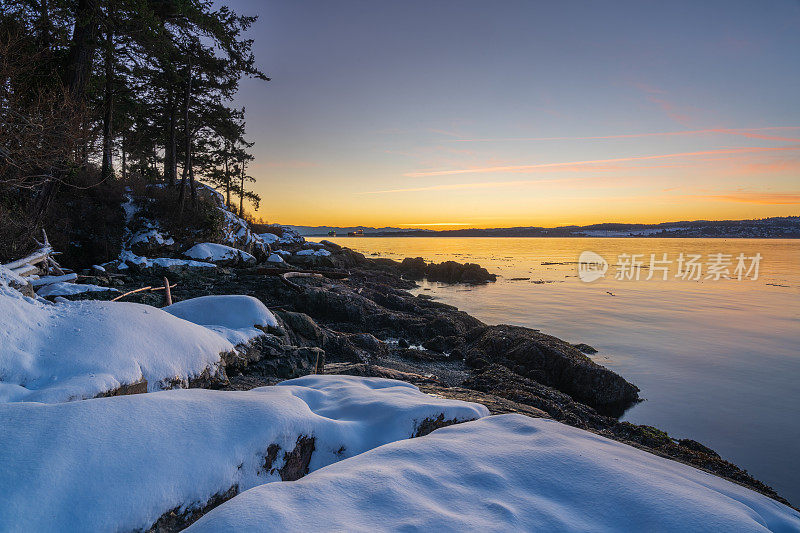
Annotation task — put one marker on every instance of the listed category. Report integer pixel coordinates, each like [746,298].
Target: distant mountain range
[768,228]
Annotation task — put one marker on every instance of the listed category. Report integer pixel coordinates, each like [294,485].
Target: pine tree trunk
[171,150]
[108,109]
[81,51]
[187,146]
[241,192]
[227,181]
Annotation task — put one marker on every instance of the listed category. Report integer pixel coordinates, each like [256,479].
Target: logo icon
[591,266]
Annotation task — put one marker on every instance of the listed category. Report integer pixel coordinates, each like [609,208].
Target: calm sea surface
[718,361]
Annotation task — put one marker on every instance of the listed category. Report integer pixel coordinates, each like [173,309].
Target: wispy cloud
[526,168]
[488,185]
[763,198]
[745,132]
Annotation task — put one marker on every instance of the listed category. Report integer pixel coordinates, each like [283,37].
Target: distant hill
[767,228]
[318,231]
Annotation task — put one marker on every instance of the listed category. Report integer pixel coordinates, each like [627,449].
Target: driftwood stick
[55,266]
[167,292]
[154,289]
[131,292]
[24,270]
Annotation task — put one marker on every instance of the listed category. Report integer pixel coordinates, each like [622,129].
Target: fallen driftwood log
[38,262]
[294,286]
[47,280]
[330,274]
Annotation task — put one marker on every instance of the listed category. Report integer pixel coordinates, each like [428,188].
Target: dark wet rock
[295,462]
[376,371]
[447,272]
[585,348]
[430,425]
[500,381]
[552,362]
[402,343]
[331,246]
[379,310]
[268,356]
[414,267]
[181,517]
[442,344]
[412,354]
[140,387]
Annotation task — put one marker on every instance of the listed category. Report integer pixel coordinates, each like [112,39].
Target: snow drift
[235,317]
[76,350]
[114,464]
[503,473]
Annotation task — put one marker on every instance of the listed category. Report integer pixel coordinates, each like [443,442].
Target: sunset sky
[503,113]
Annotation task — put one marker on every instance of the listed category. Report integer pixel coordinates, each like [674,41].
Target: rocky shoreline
[360,319]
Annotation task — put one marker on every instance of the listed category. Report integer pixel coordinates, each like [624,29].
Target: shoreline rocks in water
[448,272]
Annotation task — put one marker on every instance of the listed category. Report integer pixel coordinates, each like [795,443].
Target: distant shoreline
[429,235]
[765,228]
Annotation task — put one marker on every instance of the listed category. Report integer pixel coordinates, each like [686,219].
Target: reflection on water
[717,361]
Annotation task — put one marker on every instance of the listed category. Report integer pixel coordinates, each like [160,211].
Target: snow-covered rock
[76,350]
[238,318]
[269,238]
[503,473]
[149,239]
[118,464]
[218,253]
[317,253]
[236,232]
[129,259]
[67,289]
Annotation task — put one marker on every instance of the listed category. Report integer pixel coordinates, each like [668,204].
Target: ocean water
[717,360]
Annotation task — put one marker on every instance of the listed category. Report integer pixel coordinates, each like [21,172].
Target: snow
[275,258]
[99,268]
[318,253]
[75,350]
[209,251]
[126,256]
[66,289]
[269,238]
[151,235]
[119,463]
[503,473]
[130,208]
[235,317]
